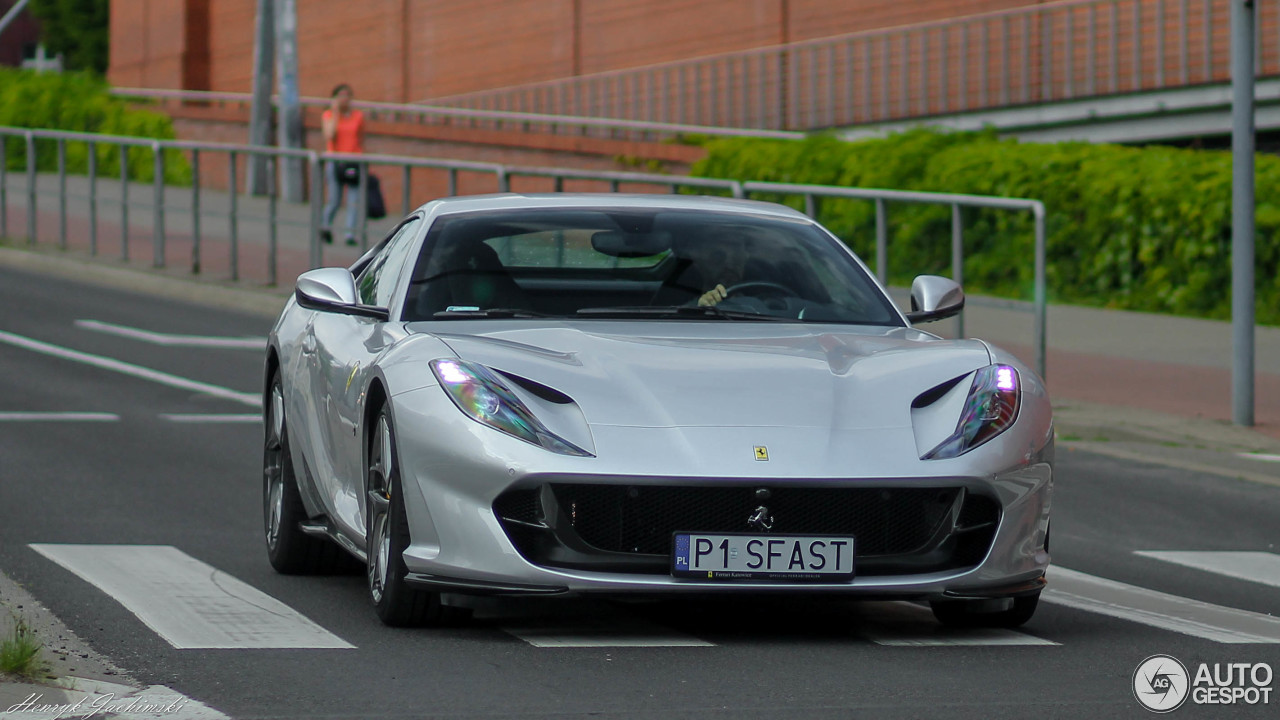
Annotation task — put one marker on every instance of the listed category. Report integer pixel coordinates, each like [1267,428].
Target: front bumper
[490,514]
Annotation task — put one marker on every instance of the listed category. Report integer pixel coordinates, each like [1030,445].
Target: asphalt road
[144,478]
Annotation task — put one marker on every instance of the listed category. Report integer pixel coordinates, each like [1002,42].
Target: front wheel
[290,550]
[977,613]
[396,602]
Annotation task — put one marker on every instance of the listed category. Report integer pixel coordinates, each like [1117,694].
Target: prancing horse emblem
[760,519]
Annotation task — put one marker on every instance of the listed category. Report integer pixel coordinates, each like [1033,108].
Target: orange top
[350,135]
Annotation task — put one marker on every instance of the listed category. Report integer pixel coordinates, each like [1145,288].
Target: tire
[387,537]
[967,613]
[290,550]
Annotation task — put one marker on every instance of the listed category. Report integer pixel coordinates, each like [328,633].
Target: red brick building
[1101,70]
[412,50]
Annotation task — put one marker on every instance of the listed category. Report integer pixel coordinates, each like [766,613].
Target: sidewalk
[1118,379]
[1159,362]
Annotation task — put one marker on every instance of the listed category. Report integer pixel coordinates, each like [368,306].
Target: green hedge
[80,102]
[1142,228]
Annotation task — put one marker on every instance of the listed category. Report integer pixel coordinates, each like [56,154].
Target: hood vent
[931,396]
[539,390]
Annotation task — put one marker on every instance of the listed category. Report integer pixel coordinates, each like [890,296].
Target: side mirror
[334,290]
[934,297]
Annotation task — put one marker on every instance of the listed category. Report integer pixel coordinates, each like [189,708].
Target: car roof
[518,201]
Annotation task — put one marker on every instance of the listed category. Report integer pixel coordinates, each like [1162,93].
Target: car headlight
[990,408]
[481,395]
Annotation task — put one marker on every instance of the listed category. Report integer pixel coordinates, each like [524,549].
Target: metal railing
[159,152]
[272,222]
[503,179]
[1036,54]
[514,120]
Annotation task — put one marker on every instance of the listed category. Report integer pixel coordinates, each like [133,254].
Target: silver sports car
[646,395]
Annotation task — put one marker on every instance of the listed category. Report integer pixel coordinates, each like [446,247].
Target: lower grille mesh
[641,519]
[628,528]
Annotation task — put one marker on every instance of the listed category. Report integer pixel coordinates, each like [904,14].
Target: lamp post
[1242,211]
[289,129]
[264,53]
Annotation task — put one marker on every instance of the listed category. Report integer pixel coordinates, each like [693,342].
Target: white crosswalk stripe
[1258,567]
[603,632]
[188,603]
[1149,607]
[193,605]
[600,625]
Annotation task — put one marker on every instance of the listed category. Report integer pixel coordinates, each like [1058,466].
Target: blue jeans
[335,198]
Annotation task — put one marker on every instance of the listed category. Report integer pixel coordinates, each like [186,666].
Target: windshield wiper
[666,311]
[458,314]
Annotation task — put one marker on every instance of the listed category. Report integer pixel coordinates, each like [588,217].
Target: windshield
[638,263]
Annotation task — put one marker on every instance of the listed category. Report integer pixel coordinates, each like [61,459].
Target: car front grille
[628,528]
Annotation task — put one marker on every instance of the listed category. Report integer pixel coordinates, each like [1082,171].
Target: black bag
[375,206]
[348,172]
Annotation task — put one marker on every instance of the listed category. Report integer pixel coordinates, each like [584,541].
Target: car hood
[696,374]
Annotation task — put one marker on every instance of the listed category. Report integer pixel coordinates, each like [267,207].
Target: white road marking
[905,624]
[58,417]
[1259,567]
[1149,607]
[212,418]
[596,632]
[168,340]
[1260,456]
[188,603]
[125,368]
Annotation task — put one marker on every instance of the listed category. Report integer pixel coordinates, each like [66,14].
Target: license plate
[774,557]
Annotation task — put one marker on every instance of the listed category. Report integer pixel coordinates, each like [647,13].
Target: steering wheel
[763,285]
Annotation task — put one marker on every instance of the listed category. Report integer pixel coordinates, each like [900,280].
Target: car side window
[377,282]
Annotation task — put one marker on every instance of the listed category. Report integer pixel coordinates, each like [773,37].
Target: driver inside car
[720,259]
[712,265]
[709,266]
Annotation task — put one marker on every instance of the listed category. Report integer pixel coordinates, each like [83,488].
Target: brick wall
[230,125]
[456,47]
[408,50]
[628,33]
[160,44]
[811,19]
[231,28]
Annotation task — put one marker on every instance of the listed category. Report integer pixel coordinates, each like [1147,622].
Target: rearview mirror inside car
[630,245]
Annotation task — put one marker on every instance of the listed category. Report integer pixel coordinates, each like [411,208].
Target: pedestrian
[343,129]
